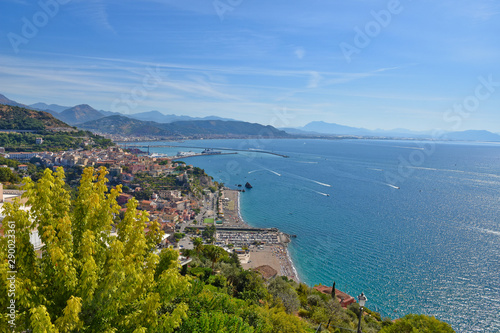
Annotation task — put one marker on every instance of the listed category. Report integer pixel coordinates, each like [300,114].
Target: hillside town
[168,206]
[179,206]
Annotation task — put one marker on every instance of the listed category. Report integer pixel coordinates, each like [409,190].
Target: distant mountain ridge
[79,114]
[84,113]
[324,128]
[122,125]
[152,121]
[47,108]
[169,118]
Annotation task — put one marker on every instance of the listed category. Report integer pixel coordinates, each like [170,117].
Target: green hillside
[56,135]
[124,126]
[196,128]
[19,118]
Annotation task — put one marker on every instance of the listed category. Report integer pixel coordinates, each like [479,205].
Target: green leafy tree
[418,324]
[214,253]
[281,290]
[85,278]
[197,243]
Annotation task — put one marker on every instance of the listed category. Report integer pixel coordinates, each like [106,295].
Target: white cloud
[300,52]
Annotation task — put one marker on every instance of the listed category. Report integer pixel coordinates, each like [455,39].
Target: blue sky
[275,62]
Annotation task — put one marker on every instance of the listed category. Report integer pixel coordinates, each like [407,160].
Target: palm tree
[197,243]
[214,253]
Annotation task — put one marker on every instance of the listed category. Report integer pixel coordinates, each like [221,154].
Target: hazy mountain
[127,126]
[124,126]
[168,118]
[222,128]
[4,100]
[47,107]
[473,135]
[296,131]
[20,118]
[110,113]
[335,129]
[79,114]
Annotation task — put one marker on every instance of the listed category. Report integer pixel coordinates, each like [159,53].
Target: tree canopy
[85,277]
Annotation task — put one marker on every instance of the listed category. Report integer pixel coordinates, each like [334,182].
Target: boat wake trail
[310,180]
[311,190]
[277,174]
[362,179]
[319,183]
[249,172]
[266,169]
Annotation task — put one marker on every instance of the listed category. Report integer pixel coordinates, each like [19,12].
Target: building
[344,299]
[39,141]
[266,271]
[21,156]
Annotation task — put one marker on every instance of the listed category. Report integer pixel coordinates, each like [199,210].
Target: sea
[414,225]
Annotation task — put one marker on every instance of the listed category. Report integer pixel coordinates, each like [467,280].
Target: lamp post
[362,300]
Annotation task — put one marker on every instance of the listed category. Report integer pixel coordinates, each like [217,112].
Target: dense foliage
[52,141]
[85,278]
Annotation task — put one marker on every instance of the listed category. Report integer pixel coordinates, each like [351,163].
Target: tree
[282,290]
[197,243]
[209,233]
[214,253]
[6,175]
[418,324]
[85,278]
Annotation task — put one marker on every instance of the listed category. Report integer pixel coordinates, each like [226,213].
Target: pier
[173,158]
[214,148]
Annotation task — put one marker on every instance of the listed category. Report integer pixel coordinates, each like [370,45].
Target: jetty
[173,158]
[214,148]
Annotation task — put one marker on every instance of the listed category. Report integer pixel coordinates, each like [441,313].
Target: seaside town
[179,208]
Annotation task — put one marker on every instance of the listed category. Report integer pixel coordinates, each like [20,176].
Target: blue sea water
[413,225]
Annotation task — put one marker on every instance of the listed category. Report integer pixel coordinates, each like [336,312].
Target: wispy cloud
[93,13]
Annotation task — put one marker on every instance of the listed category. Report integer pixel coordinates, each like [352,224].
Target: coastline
[275,255]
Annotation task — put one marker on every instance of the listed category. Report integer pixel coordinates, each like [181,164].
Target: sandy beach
[274,255]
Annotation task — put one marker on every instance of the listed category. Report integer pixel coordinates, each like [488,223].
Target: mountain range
[15,115]
[318,128]
[152,122]
[83,113]
[121,125]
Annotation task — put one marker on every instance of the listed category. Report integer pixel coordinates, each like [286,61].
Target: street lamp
[362,300]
